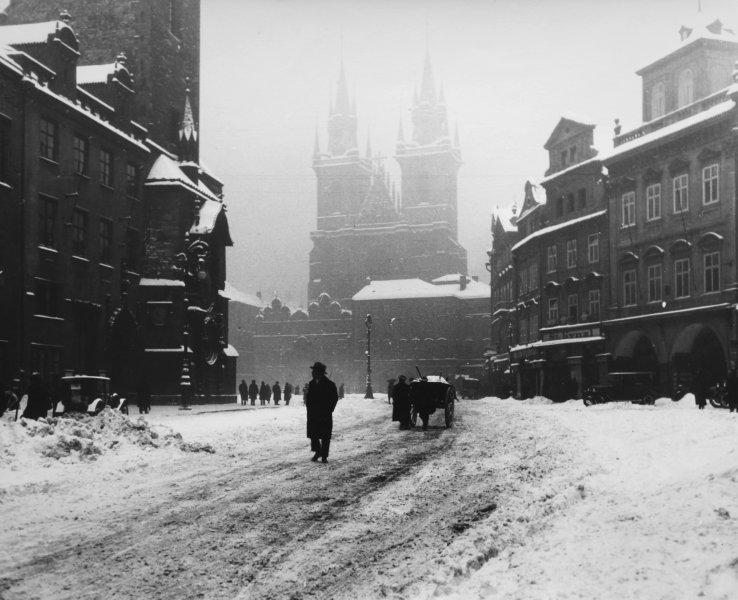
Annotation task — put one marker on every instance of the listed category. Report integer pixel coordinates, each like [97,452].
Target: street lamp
[369,393]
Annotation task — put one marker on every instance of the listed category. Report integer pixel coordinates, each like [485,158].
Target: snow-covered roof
[236,295]
[547,343]
[400,289]
[397,289]
[558,174]
[30,33]
[558,226]
[89,74]
[166,171]
[447,279]
[507,217]
[229,350]
[206,217]
[673,129]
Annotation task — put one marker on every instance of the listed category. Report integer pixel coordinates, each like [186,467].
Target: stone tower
[429,161]
[160,38]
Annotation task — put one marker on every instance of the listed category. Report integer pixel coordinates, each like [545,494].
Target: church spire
[427,87]
[342,135]
[342,106]
[187,137]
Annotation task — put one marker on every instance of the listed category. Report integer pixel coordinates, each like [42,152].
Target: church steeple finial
[342,135]
[188,138]
[427,87]
[342,106]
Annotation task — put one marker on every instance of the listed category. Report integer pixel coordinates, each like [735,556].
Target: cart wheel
[449,408]
[413,416]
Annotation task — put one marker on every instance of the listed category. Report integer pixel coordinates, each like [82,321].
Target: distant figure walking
[287,393]
[38,399]
[732,390]
[699,389]
[243,391]
[401,402]
[297,390]
[321,398]
[253,391]
[277,391]
[263,393]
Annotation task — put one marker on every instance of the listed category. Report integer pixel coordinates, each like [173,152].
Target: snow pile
[82,437]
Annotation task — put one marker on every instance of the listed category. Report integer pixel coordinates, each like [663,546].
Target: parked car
[636,386]
[88,394]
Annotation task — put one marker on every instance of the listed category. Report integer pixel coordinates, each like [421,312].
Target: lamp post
[369,393]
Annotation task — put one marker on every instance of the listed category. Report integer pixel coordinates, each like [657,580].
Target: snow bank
[78,438]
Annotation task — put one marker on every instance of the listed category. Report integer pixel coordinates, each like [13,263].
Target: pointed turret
[427,87]
[316,147]
[342,121]
[342,106]
[188,145]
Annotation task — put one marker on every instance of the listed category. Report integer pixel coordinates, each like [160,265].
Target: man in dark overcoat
[38,399]
[287,393]
[277,391]
[243,391]
[401,402]
[321,398]
[263,393]
[700,389]
[253,391]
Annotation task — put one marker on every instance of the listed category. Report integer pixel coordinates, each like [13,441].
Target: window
[106,168]
[4,149]
[571,254]
[658,101]
[681,193]
[559,206]
[131,248]
[593,248]
[712,272]
[533,276]
[47,298]
[572,155]
[47,222]
[681,278]
[710,179]
[523,333]
[106,241]
[553,310]
[686,88]
[132,180]
[629,288]
[48,142]
[582,198]
[573,308]
[654,283]
[594,304]
[81,155]
[570,203]
[523,281]
[79,232]
[563,158]
[628,205]
[551,260]
[653,202]
[534,326]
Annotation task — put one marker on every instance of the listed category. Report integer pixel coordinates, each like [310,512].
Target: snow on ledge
[146,282]
[556,227]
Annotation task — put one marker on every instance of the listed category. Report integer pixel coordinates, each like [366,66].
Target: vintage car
[428,394]
[636,386]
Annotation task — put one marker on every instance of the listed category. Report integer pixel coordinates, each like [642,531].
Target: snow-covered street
[518,500]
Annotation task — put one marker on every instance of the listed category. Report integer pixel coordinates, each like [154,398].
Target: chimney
[462,282]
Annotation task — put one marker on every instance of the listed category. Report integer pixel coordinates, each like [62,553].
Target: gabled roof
[506,218]
[166,171]
[567,121]
[31,33]
[534,196]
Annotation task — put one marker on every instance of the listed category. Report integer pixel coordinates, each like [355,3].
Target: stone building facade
[122,242]
[656,293]
[366,228]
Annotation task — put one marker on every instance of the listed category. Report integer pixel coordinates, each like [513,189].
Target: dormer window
[686,88]
[658,101]
[563,158]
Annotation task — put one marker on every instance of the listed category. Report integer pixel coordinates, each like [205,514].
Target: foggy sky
[509,68]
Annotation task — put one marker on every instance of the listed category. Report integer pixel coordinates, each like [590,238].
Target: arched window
[686,88]
[658,101]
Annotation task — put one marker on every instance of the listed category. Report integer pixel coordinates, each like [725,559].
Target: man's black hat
[402,378]
[319,366]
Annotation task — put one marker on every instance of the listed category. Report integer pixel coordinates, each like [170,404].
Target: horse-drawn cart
[428,394]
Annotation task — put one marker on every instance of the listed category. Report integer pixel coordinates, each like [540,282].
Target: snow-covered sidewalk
[518,500]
